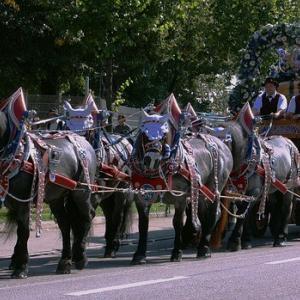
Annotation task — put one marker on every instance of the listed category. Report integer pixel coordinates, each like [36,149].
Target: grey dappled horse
[71,208]
[283,157]
[112,151]
[150,162]
[117,205]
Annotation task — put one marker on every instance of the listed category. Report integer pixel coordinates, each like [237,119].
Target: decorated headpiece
[16,107]
[79,118]
[246,118]
[170,106]
[154,126]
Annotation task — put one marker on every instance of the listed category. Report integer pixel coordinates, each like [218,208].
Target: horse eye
[145,139]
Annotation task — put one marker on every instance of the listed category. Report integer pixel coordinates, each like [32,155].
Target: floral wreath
[270,36]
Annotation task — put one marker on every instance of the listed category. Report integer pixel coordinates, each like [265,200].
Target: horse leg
[246,238]
[115,211]
[19,260]
[234,242]
[189,234]
[80,212]
[219,230]
[122,218]
[58,209]
[139,256]
[209,214]
[280,209]
[107,206]
[178,225]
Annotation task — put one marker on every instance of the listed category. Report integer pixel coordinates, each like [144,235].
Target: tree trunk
[108,91]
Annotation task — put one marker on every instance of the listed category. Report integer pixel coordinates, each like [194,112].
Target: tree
[163,46]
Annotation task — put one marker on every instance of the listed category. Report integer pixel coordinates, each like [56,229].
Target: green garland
[270,36]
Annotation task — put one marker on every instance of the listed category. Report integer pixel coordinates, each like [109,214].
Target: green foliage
[164,46]
[119,100]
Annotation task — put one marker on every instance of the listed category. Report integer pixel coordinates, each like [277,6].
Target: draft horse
[112,152]
[195,169]
[264,168]
[56,168]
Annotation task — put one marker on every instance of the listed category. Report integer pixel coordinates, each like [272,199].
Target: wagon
[289,128]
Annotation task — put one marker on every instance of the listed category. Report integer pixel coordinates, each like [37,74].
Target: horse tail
[217,235]
[127,219]
[10,223]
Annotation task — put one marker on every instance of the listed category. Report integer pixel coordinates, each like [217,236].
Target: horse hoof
[138,260]
[12,266]
[81,264]
[110,254]
[279,243]
[203,252]
[20,274]
[246,246]
[176,256]
[64,266]
[234,246]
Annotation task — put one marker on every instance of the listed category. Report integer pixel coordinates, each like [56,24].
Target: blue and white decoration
[269,37]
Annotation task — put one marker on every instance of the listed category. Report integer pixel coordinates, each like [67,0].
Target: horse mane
[239,141]
[3,123]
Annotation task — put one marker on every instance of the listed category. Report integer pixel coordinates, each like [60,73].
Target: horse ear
[3,123]
[246,118]
[144,115]
[67,106]
[90,107]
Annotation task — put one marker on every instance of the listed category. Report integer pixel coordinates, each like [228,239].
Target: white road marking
[277,262]
[125,286]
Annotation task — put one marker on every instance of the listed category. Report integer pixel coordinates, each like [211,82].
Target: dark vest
[267,106]
[297,102]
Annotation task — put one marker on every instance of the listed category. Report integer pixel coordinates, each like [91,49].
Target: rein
[108,137]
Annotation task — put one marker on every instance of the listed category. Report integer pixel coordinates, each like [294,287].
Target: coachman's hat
[271,80]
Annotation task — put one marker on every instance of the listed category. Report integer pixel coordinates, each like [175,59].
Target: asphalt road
[263,272]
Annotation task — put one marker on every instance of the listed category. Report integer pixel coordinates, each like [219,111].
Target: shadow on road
[160,244]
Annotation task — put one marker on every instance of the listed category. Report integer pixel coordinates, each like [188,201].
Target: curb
[52,225]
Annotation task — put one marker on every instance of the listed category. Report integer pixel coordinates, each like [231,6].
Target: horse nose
[151,161]
[147,161]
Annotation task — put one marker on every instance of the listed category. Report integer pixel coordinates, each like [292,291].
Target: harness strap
[60,180]
[194,191]
[210,195]
[81,154]
[38,161]
[279,185]
[114,172]
[267,184]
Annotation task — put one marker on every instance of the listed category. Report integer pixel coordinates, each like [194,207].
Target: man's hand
[277,115]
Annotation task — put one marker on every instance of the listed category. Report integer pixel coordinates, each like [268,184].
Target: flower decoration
[270,36]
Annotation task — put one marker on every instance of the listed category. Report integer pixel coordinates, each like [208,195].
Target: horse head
[12,112]
[154,135]
[79,119]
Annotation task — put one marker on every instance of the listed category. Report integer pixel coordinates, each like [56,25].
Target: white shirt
[292,105]
[282,102]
